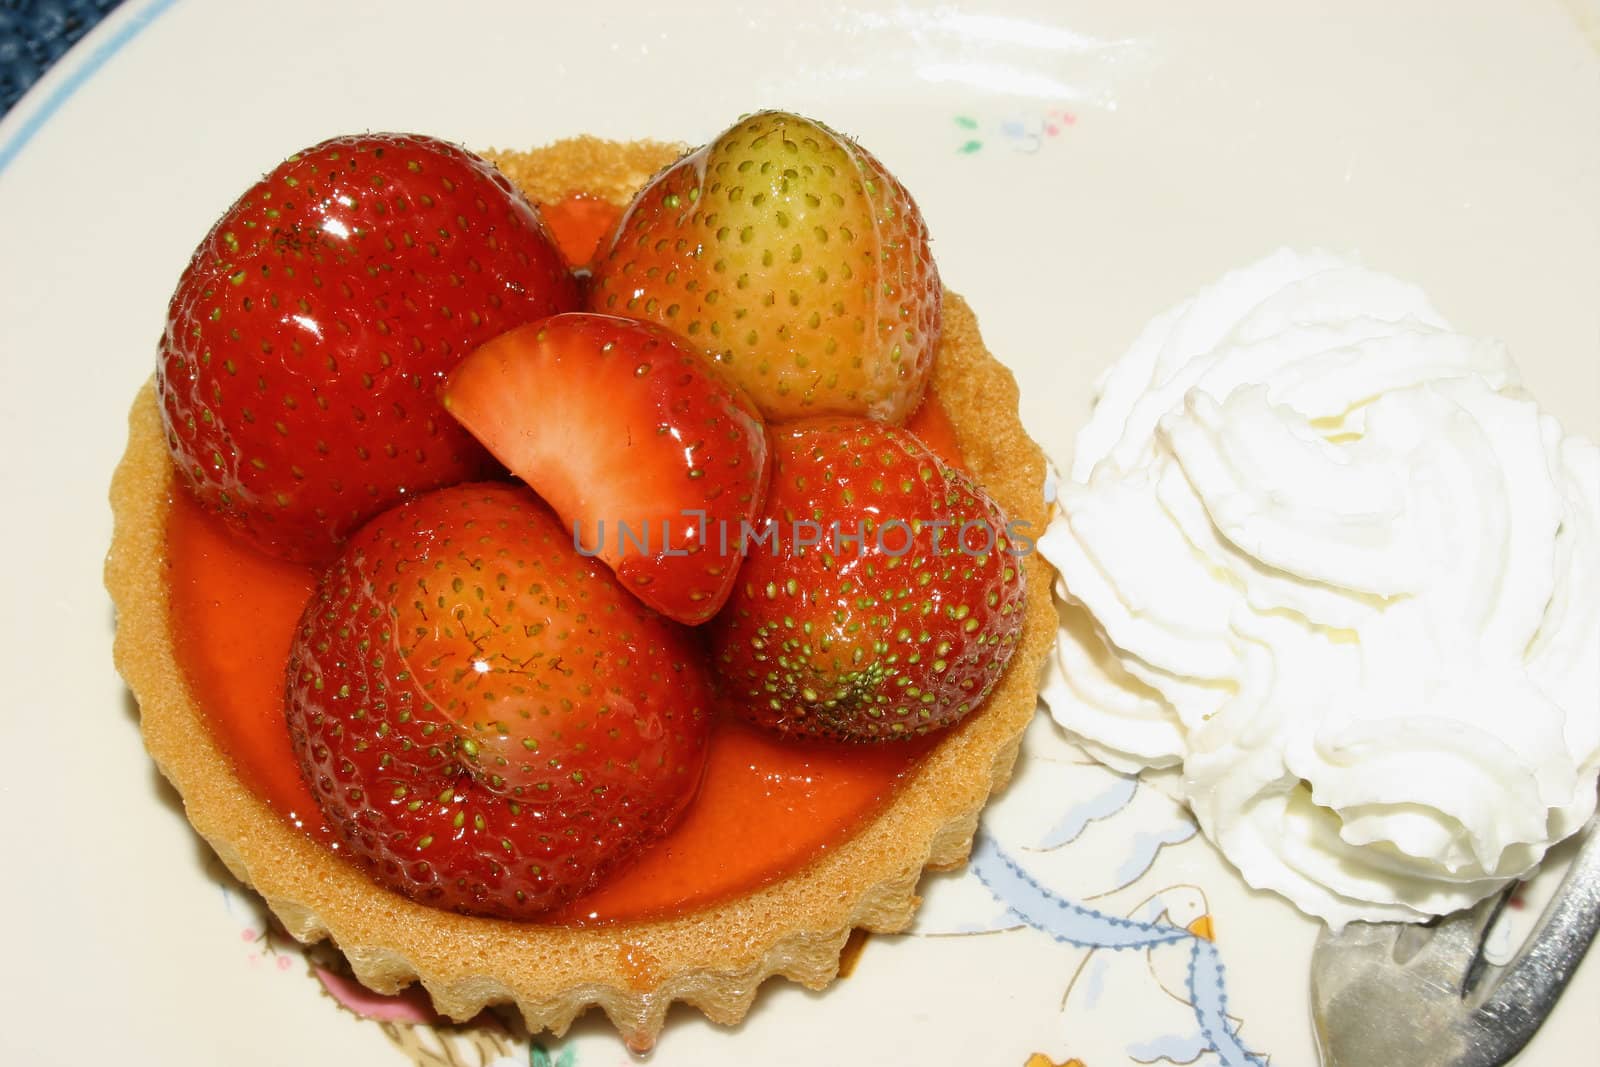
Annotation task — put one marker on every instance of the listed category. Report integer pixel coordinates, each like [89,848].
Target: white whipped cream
[1321,556]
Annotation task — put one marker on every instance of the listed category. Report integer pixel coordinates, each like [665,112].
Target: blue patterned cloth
[36,33]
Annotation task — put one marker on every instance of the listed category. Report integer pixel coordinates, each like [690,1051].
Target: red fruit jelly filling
[765,809]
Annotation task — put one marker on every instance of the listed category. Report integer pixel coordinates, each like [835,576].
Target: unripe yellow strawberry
[790,256]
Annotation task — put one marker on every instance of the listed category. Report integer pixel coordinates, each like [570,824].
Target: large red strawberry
[653,460]
[489,720]
[308,335]
[790,255]
[886,599]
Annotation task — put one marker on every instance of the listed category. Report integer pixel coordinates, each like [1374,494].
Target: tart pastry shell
[714,958]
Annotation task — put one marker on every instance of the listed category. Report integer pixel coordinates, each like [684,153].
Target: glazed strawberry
[310,331]
[486,717]
[653,460]
[790,255]
[889,601]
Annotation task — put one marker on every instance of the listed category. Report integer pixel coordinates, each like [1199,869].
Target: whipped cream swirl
[1322,557]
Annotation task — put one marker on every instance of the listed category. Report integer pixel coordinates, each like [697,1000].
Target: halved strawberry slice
[652,459]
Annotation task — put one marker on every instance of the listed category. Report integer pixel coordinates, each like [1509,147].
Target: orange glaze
[932,425]
[765,808]
[579,223]
[233,615]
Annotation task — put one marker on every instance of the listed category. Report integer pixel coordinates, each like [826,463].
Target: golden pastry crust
[714,958]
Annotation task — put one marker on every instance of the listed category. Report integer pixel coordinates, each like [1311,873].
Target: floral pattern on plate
[1025,132]
[421,1036]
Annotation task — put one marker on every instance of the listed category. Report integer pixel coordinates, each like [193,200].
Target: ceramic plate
[1081,165]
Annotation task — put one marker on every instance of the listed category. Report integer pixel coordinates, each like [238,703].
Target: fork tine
[1530,985]
[1427,997]
[1480,967]
[1444,952]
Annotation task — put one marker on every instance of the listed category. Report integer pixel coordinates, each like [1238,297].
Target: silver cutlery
[1407,995]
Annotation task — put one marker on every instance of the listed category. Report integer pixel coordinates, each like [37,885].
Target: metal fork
[1402,995]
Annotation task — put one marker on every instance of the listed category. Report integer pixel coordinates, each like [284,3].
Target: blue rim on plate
[34,36]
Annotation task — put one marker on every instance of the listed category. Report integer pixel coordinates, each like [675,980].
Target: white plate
[1081,166]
